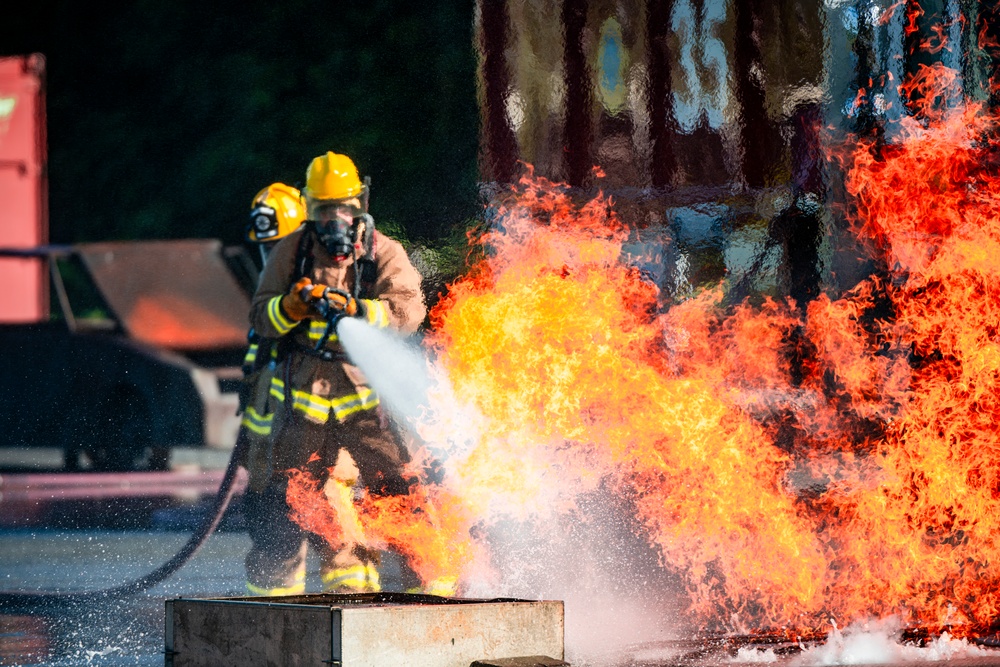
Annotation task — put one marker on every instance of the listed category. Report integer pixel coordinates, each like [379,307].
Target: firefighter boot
[446,587]
[278,576]
[353,570]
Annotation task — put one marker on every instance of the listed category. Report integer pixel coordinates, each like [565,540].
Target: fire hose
[12,600]
[332,305]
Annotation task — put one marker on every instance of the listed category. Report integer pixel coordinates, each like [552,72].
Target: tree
[166,118]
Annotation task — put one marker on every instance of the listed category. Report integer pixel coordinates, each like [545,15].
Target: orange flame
[311,509]
[789,468]
[413,525]
[557,341]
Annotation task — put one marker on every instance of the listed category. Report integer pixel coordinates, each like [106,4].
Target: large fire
[790,465]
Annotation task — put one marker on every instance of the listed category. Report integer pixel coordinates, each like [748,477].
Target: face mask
[337,236]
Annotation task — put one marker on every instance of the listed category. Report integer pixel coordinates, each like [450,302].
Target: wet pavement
[70,532]
[119,632]
[93,544]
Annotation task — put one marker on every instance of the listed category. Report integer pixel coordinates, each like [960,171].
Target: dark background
[165,118]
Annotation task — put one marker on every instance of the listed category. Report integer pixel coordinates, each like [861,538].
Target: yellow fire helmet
[333,176]
[276,212]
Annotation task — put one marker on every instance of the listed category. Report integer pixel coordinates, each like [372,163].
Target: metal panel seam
[336,641]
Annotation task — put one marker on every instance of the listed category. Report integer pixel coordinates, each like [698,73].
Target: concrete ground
[51,458]
[74,540]
[75,544]
[129,632]
[110,551]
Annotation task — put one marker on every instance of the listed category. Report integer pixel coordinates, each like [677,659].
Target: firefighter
[324,409]
[275,212]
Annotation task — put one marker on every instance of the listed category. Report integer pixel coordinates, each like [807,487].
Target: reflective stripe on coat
[396,301]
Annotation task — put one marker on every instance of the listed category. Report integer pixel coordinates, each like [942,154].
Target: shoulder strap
[304,253]
[366,269]
[367,272]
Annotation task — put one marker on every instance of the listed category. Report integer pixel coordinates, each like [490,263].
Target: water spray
[395,367]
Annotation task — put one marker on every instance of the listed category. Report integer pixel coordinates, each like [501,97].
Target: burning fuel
[788,463]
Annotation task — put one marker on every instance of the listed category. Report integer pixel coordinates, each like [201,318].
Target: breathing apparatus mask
[339,226]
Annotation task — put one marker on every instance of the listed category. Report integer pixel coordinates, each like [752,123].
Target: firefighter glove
[298,303]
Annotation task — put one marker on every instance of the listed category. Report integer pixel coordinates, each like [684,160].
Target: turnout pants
[276,562]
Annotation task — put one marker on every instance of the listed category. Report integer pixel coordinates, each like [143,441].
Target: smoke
[614,592]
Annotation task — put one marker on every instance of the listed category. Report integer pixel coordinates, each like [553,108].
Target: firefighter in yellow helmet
[275,212]
[322,404]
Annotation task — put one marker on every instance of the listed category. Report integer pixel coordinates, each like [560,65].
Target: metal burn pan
[363,630]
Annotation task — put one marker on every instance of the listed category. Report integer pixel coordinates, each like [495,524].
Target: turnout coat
[305,386]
